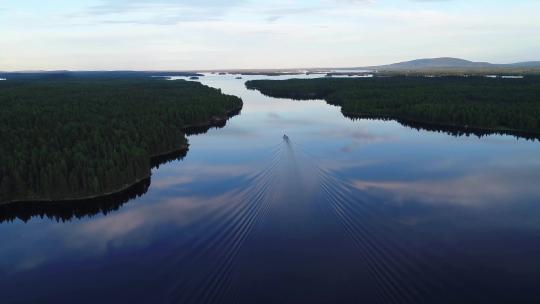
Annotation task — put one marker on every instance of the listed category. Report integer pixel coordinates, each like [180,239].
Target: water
[344,212]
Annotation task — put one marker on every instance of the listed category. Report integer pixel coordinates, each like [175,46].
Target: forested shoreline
[67,139]
[475,103]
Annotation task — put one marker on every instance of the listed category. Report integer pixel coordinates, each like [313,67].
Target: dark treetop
[500,105]
[78,138]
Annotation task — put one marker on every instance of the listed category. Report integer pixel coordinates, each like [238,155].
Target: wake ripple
[217,251]
[399,271]
[400,274]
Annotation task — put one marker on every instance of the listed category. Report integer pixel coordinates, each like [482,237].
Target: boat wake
[276,206]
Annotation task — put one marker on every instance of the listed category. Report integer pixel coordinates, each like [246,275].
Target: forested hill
[502,105]
[65,139]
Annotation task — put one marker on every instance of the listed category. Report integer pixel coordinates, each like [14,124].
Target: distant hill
[450,63]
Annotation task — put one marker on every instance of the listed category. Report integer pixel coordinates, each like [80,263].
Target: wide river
[343,211]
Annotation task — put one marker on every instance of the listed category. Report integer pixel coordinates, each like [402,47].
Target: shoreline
[116,192]
[443,127]
[155,161]
[452,128]
[418,124]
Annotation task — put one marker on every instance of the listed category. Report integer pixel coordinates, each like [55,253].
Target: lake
[340,211]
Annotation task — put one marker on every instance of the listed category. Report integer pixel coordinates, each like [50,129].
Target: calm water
[345,212]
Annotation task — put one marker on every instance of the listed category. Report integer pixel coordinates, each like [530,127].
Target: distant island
[476,103]
[69,138]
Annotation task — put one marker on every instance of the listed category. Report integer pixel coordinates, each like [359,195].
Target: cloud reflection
[356,136]
[137,226]
[488,187]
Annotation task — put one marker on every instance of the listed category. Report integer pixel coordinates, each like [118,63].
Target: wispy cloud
[161,12]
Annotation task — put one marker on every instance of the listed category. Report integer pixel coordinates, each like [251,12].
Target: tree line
[71,138]
[471,102]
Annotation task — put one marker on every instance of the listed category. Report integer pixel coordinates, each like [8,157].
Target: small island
[502,105]
[69,139]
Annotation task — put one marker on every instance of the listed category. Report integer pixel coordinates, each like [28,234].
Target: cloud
[161,12]
[175,11]
[114,6]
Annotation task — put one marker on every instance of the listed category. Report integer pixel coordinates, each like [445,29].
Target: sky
[214,34]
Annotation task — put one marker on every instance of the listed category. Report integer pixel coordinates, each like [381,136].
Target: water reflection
[455,131]
[490,187]
[67,210]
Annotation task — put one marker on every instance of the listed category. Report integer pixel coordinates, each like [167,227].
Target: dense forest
[471,102]
[57,75]
[74,138]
